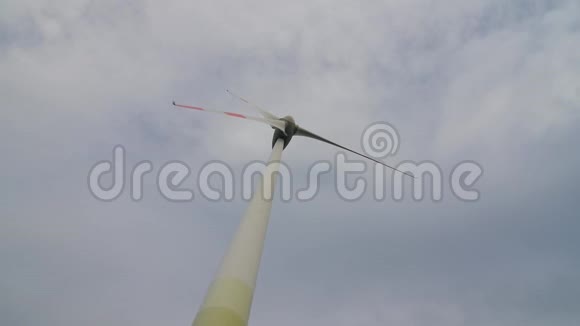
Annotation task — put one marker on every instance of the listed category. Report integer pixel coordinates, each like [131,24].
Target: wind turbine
[229,297]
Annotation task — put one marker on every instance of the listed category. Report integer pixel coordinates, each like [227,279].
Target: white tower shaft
[229,298]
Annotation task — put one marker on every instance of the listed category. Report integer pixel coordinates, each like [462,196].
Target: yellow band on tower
[229,296]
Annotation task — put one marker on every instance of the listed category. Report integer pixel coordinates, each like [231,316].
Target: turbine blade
[263,112]
[278,124]
[305,133]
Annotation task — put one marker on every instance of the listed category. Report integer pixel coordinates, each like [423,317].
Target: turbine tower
[229,298]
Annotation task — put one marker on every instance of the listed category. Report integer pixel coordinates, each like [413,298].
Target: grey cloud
[490,81]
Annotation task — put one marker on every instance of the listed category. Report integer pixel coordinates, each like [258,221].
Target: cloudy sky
[492,81]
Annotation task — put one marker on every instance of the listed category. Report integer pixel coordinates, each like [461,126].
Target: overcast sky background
[493,81]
